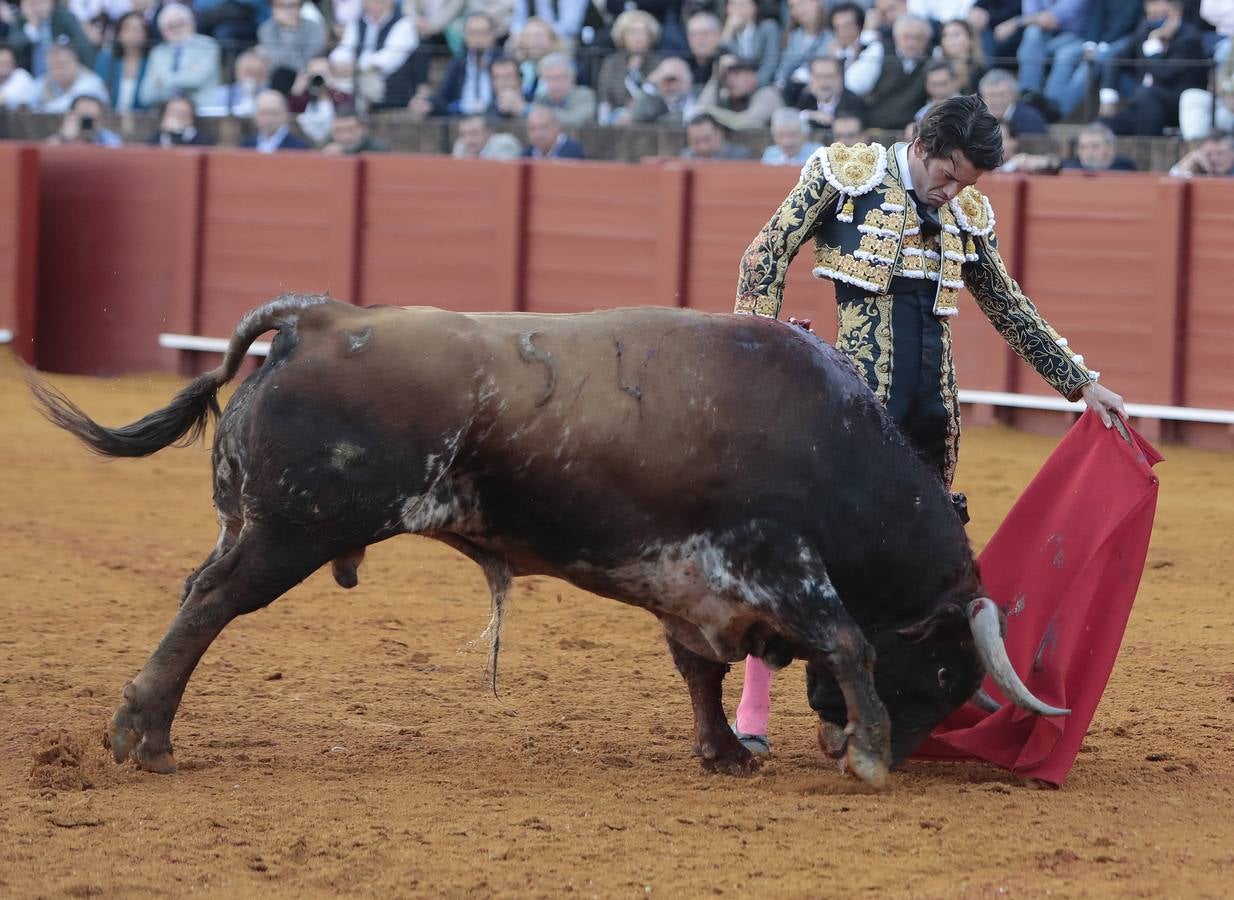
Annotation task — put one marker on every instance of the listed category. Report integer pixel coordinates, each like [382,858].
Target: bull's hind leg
[716,745]
[248,576]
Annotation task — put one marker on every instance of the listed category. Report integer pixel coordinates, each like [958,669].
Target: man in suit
[39,25]
[1166,53]
[825,97]
[900,89]
[1001,93]
[466,88]
[706,139]
[378,51]
[545,138]
[185,63]
[1096,151]
[941,83]
[271,117]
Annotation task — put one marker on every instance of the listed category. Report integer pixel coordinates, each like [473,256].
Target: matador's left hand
[1104,401]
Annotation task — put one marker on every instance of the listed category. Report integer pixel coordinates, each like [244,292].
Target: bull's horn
[982,700]
[984,620]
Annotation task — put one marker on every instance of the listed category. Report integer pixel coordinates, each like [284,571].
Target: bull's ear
[945,622]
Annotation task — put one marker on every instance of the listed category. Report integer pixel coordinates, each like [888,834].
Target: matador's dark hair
[963,124]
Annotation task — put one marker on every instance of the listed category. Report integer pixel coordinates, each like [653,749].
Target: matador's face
[937,180]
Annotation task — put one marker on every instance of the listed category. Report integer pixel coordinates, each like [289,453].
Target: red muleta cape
[1064,565]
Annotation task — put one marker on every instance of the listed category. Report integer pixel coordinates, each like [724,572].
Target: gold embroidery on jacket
[947,389]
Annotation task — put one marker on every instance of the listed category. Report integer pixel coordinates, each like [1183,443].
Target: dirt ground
[342,742]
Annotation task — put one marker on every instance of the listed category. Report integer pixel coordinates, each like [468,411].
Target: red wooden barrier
[729,203]
[117,257]
[19,231]
[1208,329]
[274,223]
[603,235]
[441,232]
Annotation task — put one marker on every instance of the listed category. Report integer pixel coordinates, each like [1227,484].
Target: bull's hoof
[832,739]
[869,767]
[730,758]
[128,738]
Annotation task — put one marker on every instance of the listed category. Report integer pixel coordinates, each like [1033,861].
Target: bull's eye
[944,677]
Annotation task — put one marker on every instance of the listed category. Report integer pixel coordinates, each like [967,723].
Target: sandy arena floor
[342,743]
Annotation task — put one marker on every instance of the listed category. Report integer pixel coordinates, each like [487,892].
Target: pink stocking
[755,707]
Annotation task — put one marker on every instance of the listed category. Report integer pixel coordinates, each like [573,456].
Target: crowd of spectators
[307,73]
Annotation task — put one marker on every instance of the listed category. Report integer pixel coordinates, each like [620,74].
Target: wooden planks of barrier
[19,230]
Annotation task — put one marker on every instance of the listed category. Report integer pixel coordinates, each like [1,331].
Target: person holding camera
[82,124]
[178,125]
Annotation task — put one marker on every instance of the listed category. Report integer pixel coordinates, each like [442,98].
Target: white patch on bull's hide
[459,513]
[343,454]
[695,580]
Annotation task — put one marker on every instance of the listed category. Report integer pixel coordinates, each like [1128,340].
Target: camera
[316,83]
[87,123]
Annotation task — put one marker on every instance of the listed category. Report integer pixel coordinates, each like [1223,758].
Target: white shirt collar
[901,152]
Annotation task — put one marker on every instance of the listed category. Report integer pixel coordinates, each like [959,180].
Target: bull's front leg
[717,747]
[836,643]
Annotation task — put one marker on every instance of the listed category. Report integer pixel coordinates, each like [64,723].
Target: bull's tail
[184,419]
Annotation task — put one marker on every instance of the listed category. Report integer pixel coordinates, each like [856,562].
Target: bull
[731,474]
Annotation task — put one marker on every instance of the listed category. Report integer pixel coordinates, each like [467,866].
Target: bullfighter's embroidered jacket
[853,202]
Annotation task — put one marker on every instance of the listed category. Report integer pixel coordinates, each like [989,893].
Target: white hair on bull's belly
[696,580]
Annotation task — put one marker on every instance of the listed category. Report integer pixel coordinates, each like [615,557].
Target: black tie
[930,223]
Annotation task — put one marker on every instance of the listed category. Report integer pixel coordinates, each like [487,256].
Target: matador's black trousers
[904,351]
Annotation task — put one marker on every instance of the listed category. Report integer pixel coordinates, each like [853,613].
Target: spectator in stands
[849,48]
[849,129]
[97,17]
[536,41]
[826,97]
[703,35]
[1214,157]
[508,101]
[940,12]
[435,20]
[572,104]
[1220,14]
[746,37]
[545,138]
[252,76]
[288,40]
[808,39]
[185,63]
[959,45]
[1197,113]
[995,22]
[316,93]
[624,70]
[1024,163]
[707,139]
[16,86]
[789,131]
[1107,35]
[349,135]
[666,95]
[178,125]
[40,25]
[122,65]
[1001,94]
[565,17]
[1046,27]
[232,23]
[271,116]
[477,141]
[376,50]
[735,99]
[66,80]
[1096,150]
[941,83]
[83,124]
[900,89]
[880,19]
[1164,59]
[466,88]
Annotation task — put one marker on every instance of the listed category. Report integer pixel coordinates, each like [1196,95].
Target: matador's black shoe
[959,503]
